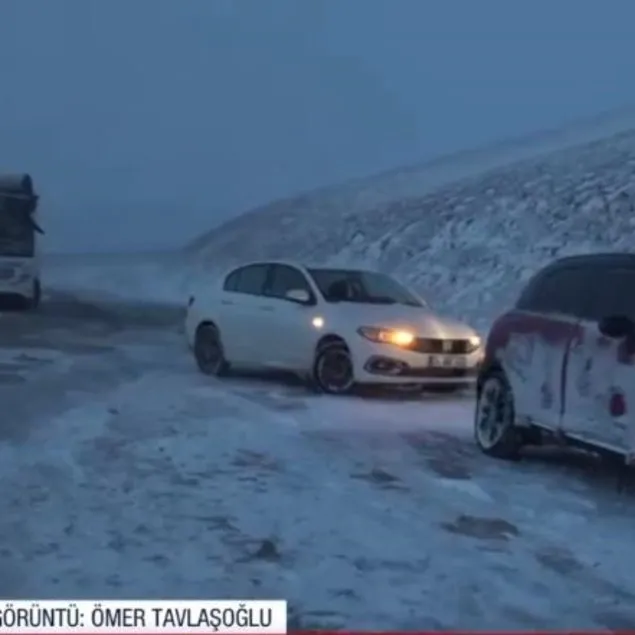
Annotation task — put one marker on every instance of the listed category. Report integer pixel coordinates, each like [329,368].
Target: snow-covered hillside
[466,244]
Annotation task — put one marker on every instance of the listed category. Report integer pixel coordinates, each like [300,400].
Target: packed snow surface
[363,513]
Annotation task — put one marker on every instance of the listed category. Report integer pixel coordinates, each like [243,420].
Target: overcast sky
[148,121]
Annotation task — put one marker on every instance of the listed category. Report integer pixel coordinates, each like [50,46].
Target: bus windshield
[17,228]
[18,203]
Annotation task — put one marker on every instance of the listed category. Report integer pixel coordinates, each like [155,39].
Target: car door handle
[266,308]
[227,302]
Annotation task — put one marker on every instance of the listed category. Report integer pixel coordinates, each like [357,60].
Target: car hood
[423,322]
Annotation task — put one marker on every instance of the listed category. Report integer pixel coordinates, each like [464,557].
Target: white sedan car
[336,327]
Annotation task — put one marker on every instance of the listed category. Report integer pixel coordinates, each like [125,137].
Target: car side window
[615,295]
[561,291]
[232,281]
[252,279]
[285,279]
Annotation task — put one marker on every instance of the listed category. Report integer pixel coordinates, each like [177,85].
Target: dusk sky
[145,122]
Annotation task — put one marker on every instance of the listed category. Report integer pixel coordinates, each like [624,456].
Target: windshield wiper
[35,226]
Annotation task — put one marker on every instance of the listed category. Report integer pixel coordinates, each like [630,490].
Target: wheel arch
[492,366]
[329,339]
[204,323]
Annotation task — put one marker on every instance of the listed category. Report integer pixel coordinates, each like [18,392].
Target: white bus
[19,248]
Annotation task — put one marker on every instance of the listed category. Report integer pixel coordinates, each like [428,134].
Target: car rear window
[588,291]
[561,291]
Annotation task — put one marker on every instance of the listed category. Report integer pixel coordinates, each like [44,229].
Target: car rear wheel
[333,371]
[209,352]
[32,303]
[494,429]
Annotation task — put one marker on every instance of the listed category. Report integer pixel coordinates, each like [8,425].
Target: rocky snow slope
[465,245]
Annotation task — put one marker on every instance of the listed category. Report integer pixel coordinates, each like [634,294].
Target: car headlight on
[397,337]
[475,342]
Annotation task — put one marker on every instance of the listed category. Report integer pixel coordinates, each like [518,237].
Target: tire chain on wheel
[320,384]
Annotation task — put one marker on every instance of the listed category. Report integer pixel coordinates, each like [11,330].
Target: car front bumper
[386,364]
[16,281]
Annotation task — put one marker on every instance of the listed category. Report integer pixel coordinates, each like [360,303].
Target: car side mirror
[617,326]
[301,296]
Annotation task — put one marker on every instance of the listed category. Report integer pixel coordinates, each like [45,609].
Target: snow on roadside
[146,277]
[173,486]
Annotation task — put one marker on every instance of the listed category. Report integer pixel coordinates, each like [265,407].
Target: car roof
[336,267]
[614,259]
[297,264]
[273,261]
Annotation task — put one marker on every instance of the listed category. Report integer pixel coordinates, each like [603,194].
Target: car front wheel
[444,389]
[333,371]
[494,429]
[209,352]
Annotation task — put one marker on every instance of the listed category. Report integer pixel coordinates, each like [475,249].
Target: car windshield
[364,287]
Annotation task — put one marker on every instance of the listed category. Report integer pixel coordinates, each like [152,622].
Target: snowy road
[127,474]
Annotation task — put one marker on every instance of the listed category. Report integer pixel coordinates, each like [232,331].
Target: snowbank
[466,246]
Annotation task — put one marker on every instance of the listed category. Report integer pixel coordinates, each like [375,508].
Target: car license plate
[447,361]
